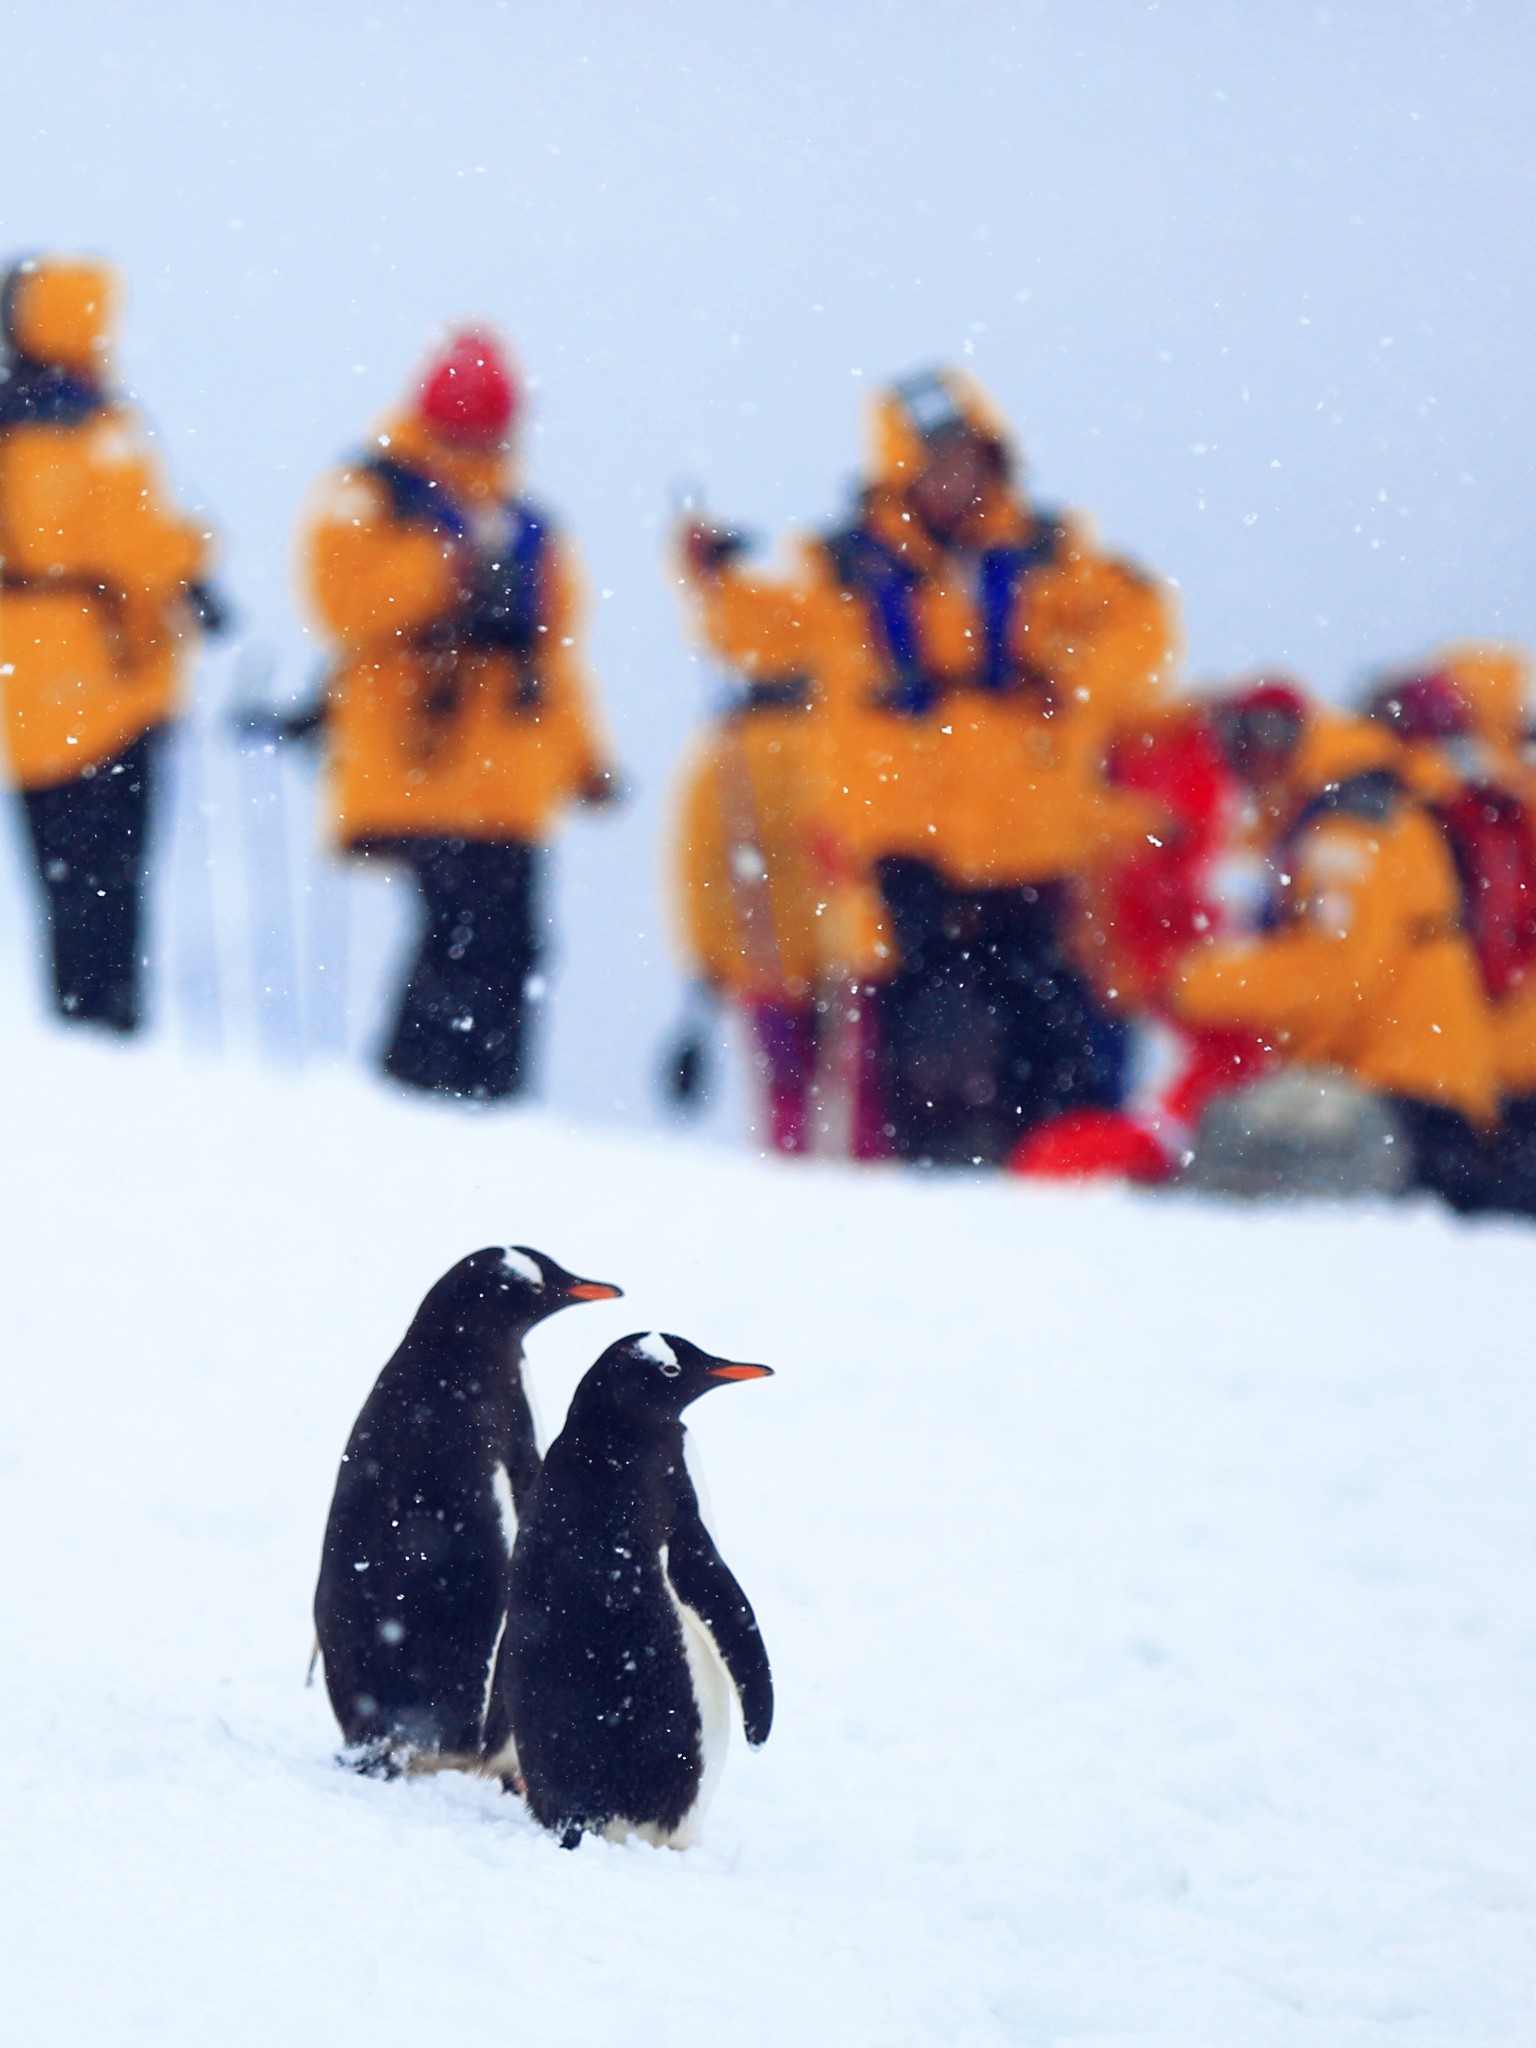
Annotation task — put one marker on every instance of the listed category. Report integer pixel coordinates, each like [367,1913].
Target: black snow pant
[985,1029]
[1475,1174]
[462,1027]
[1517,1156]
[89,841]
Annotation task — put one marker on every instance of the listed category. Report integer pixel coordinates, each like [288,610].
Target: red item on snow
[1090,1144]
[469,392]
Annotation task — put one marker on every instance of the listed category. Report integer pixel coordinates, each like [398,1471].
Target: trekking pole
[840,1032]
[196,969]
[329,933]
[269,892]
[324,900]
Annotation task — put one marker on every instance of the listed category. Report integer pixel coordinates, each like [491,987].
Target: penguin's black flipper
[702,1580]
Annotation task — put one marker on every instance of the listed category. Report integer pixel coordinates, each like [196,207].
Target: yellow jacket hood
[1494,679]
[63,310]
[1334,746]
[894,442]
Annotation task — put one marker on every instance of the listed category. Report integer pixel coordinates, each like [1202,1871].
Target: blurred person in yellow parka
[459,713]
[101,601]
[1366,968]
[1462,717]
[972,659]
[757,917]
[1459,719]
[744,877]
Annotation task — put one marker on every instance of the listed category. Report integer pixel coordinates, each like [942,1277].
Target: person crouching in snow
[1222,768]
[100,608]
[458,714]
[1196,873]
[1460,717]
[1365,966]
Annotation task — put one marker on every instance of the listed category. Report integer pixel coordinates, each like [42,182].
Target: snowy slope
[1149,1589]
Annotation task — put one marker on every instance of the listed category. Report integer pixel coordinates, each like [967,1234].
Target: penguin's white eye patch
[525,1268]
[656,1348]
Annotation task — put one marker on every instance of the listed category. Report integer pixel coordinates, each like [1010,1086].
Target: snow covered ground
[1149,1588]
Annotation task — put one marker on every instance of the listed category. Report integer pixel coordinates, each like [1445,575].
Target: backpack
[1490,837]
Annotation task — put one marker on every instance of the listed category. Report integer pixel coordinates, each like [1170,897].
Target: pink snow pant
[787,1044]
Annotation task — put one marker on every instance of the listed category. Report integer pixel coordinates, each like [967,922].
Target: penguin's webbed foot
[377,1759]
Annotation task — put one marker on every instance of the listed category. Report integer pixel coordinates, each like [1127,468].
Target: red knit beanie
[468,392]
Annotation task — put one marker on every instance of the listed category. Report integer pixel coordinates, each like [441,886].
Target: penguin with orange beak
[440,1464]
[626,1632]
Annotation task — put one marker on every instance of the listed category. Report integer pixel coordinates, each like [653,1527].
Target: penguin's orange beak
[741,1372]
[594,1290]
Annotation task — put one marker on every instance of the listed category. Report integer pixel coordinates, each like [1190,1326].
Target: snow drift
[1148,1586]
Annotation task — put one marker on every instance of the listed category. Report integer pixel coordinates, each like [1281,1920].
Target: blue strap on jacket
[867,565]
[507,605]
[414,497]
[529,550]
[1003,573]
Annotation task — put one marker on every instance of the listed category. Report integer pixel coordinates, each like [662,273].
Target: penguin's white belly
[504,1763]
[712,1691]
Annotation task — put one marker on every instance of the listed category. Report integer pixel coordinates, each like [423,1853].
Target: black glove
[685,1073]
[600,792]
[709,548]
[210,608]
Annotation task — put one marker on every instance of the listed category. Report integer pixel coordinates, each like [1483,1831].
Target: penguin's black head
[652,1377]
[507,1288]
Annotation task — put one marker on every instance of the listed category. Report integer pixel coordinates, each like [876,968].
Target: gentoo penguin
[625,1629]
[439,1465]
